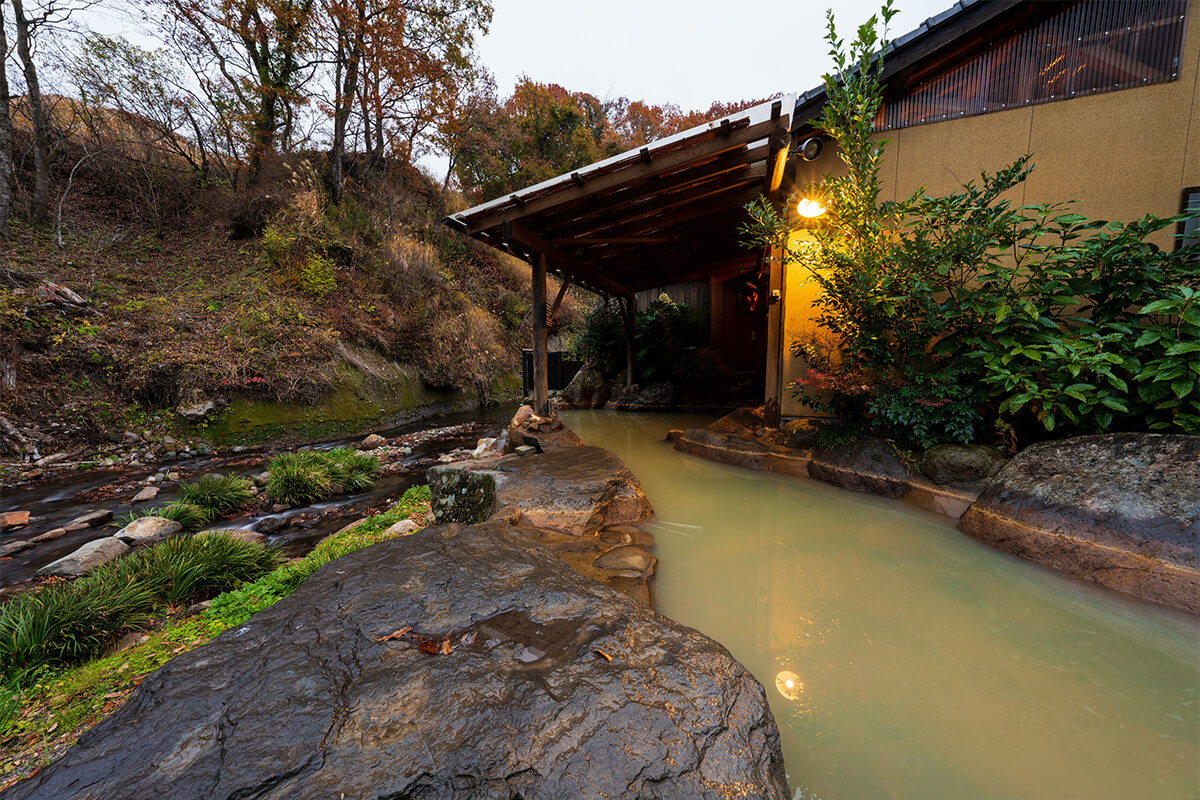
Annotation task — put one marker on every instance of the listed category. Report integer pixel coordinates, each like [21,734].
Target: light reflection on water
[923,664]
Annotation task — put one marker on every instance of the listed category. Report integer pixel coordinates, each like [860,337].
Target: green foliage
[191,517]
[236,606]
[63,622]
[316,275]
[217,493]
[308,476]
[275,245]
[956,310]
[665,333]
[836,433]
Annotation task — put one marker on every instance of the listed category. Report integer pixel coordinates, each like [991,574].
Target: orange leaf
[430,646]
[446,646]
[607,657]
[396,634]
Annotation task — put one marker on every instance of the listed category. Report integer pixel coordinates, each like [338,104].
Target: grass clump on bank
[240,604]
[217,493]
[309,476]
[61,623]
[42,717]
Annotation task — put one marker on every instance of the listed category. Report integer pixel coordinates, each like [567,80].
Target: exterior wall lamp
[809,208]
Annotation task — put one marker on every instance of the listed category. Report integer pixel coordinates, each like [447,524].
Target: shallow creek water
[921,663]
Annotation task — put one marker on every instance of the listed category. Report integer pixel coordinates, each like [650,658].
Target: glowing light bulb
[809,208]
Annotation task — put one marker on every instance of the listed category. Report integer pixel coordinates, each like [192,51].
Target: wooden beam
[637,171]
[517,232]
[541,372]
[776,162]
[562,291]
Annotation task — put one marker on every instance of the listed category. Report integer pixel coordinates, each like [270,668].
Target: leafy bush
[308,476]
[192,517]
[217,493]
[664,334]
[62,622]
[1042,317]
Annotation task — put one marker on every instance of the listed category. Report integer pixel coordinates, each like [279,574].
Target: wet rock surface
[88,557]
[577,490]
[587,389]
[306,700]
[148,529]
[869,465]
[961,463]
[1122,510]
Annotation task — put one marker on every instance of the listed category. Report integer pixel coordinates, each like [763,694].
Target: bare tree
[6,136]
[41,139]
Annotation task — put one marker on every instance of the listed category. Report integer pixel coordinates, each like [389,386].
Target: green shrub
[308,476]
[664,334]
[188,569]
[316,275]
[217,493]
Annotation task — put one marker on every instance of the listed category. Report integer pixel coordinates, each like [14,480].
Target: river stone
[90,556]
[93,517]
[868,465]
[372,442]
[304,700]
[961,463]
[404,526]
[549,431]
[587,389]
[1121,509]
[628,557]
[13,519]
[149,493]
[577,490]
[148,529]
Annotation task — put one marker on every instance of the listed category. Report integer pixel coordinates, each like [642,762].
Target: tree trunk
[6,167]
[41,138]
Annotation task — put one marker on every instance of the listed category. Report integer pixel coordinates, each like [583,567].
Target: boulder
[148,529]
[587,389]
[13,519]
[88,557]
[1121,509]
[577,490]
[549,431]
[149,493]
[868,465]
[404,526]
[651,396]
[271,524]
[961,463]
[93,517]
[628,558]
[799,433]
[195,412]
[371,442]
[317,696]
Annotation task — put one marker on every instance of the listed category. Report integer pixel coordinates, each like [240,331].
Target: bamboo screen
[1094,46]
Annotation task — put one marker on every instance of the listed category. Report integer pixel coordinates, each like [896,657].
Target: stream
[56,502]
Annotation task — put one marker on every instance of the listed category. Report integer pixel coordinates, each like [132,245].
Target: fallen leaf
[396,634]
[53,728]
[446,646]
[469,639]
[123,667]
[112,695]
[607,657]
[180,649]
[430,646]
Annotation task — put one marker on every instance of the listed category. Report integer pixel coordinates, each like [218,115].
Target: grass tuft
[191,517]
[309,476]
[218,493]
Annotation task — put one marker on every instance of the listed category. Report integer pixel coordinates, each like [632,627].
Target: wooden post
[627,308]
[541,386]
[775,352]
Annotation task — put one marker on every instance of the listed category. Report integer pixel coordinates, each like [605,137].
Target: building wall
[1120,155]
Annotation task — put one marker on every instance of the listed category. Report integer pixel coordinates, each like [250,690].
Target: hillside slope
[272,304]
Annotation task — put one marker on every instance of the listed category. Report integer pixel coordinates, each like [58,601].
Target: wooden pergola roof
[665,213]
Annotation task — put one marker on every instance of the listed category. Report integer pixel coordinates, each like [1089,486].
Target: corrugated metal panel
[1094,46]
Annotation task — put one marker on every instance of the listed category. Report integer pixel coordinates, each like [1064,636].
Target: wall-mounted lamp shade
[809,208]
[810,148]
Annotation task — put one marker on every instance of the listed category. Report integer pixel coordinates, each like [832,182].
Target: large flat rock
[304,700]
[577,490]
[1122,510]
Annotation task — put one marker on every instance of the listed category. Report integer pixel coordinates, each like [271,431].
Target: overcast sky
[675,51]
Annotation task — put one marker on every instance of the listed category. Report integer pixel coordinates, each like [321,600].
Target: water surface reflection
[921,663]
